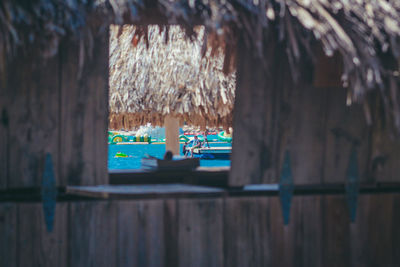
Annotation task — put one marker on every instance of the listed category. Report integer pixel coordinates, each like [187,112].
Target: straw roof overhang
[167,73]
[365,32]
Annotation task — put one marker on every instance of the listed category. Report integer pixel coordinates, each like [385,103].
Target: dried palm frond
[151,77]
[364,32]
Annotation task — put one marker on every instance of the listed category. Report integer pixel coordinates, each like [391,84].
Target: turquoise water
[137,152]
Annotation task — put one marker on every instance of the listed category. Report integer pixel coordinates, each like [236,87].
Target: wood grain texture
[345,127]
[171,230]
[306,133]
[381,231]
[19,171]
[358,238]
[236,231]
[299,243]
[92,234]
[32,96]
[282,248]
[144,191]
[8,235]
[141,233]
[335,231]
[84,114]
[200,233]
[4,133]
[247,233]
[99,93]
[307,241]
[256,121]
[395,230]
[385,154]
[37,246]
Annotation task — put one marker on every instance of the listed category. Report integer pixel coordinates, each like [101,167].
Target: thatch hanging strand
[158,71]
[364,32]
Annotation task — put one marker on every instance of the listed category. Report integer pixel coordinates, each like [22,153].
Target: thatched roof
[365,32]
[166,73]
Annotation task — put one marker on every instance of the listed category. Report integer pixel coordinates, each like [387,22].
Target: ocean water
[137,152]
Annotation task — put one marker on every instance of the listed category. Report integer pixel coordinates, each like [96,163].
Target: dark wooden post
[84,113]
[256,117]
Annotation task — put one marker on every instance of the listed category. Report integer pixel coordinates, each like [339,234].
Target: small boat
[212,152]
[176,164]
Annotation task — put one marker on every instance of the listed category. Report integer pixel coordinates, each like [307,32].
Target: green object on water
[121,155]
[222,137]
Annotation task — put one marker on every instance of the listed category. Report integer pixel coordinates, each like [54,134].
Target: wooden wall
[231,231]
[57,106]
[308,119]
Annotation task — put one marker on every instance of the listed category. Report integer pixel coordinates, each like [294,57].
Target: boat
[175,164]
[212,152]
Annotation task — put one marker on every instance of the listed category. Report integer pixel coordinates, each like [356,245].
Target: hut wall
[45,108]
[231,231]
[311,122]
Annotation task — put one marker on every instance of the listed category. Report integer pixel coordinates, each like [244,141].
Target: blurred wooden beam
[172,134]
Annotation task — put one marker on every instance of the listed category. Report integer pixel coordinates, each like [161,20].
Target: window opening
[164,79]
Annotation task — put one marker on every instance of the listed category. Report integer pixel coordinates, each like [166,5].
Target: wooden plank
[200,234]
[34,122]
[8,234]
[71,138]
[92,234]
[37,246]
[4,132]
[307,239]
[171,229]
[84,113]
[358,238]
[100,94]
[381,231]
[214,176]
[396,230]
[282,246]
[385,154]
[306,133]
[273,115]
[346,125]
[247,233]
[18,96]
[135,191]
[335,231]
[256,115]
[141,233]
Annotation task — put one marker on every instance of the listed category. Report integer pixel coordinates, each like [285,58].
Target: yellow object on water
[121,155]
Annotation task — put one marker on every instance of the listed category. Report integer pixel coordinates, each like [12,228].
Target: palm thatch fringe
[130,120]
[365,32]
[165,73]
